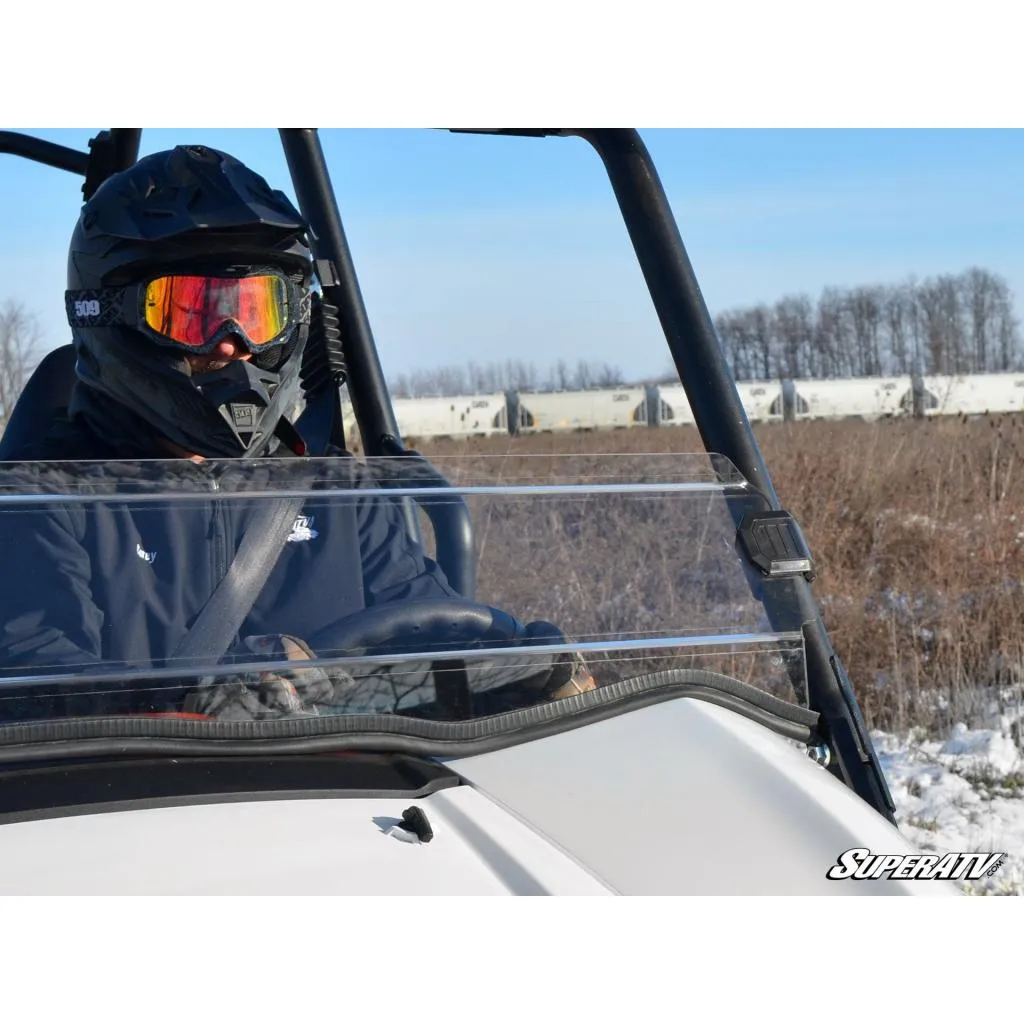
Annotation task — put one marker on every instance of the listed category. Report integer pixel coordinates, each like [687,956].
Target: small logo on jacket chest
[302,529]
[146,556]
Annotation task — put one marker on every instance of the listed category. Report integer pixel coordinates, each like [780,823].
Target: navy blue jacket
[120,583]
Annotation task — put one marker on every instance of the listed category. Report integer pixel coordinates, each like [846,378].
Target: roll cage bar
[696,352]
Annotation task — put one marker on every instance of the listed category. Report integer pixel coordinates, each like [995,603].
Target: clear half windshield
[592,578]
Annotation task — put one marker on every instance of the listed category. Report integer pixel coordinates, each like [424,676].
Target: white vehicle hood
[681,798]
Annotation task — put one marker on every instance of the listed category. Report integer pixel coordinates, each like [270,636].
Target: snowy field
[962,793]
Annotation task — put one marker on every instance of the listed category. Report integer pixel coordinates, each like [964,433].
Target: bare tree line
[949,324]
[512,374]
[20,339]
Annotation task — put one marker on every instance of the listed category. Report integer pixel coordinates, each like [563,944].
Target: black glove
[279,693]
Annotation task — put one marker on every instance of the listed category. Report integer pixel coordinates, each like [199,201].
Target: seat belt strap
[223,614]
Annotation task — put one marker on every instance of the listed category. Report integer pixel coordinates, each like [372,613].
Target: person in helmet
[192,303]
[190,286]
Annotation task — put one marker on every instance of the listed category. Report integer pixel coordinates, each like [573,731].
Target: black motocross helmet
[190,210]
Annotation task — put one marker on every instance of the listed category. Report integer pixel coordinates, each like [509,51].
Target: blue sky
[475,247]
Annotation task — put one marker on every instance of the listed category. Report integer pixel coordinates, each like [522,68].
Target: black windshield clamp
[774,543]
[328,273]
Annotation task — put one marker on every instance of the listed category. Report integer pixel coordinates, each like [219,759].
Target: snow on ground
[961,793]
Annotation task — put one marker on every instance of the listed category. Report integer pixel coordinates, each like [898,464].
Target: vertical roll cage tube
[367,389]
[724,428]
[689,331]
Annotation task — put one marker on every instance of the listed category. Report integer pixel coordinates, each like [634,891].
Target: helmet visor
[193,310]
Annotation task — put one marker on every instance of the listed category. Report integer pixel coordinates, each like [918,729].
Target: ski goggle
[196,311]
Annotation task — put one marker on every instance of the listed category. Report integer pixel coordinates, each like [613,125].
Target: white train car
[868,398]
[675,408]
[975,394]
[456,416]
[595,409]
[762,400]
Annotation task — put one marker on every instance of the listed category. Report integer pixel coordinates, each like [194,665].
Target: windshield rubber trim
[81,737]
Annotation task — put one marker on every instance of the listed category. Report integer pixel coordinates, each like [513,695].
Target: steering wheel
[422,625]
[432,627]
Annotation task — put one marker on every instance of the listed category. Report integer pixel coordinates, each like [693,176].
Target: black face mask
[250,399]
[239,411]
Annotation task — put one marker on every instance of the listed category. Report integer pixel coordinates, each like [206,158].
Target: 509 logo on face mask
[861,864]
[87,307]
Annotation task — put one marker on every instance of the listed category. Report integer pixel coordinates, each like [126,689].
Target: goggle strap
[96,307]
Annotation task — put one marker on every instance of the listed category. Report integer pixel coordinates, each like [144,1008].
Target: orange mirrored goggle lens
[190,310]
